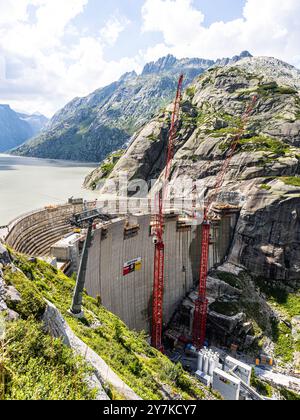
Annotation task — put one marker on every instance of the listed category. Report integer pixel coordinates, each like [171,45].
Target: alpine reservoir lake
[27,184]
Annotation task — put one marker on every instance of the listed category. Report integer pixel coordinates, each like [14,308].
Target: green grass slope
[150,374]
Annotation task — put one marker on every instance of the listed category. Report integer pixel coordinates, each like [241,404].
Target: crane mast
[159,254]
[201,304]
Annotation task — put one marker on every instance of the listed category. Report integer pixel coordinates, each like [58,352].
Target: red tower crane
[201,305]
[159,257]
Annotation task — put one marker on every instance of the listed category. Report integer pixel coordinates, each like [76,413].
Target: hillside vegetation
[37,367]
[150,374]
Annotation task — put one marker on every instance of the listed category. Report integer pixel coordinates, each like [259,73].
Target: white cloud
[44,70]
[48,59]
[153,53]
[13,10]
[113,28]
[2,68]
[25,38]
[267,27]
[176,19]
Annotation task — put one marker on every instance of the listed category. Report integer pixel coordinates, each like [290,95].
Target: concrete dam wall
[129,295]
[121,258]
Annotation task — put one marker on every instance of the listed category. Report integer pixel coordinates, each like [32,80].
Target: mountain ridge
[90,128]
[16,128]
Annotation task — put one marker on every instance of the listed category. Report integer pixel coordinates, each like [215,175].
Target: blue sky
[52,50]
[132,40]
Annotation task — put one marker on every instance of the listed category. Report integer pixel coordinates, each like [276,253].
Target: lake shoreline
[27,184]
[62,161]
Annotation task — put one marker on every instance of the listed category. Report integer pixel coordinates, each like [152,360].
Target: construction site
[144,263]
[120,266]
[140,264]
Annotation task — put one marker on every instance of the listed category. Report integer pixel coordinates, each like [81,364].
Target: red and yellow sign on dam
[132,266]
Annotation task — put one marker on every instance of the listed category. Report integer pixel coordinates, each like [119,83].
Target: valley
[253,246]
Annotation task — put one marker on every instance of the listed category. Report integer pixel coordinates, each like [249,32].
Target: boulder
[3,306]
[227,323]
[12,295]
[4,256]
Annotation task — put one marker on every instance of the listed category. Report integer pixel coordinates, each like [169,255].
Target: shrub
[265,187]
[230,279]
[289,395]
[225,308]
[265,144]
[292,180]
[191,91]
[230,131]
[42,368]
[261,387]
[284,348]
[32,302]
[274,88]
[109,164]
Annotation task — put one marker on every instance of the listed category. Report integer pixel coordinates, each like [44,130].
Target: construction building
[226,375]
[228,386]
[240,369]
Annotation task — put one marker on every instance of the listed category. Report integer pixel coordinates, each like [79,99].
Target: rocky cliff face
[89,129]
[16,128]
[264,172]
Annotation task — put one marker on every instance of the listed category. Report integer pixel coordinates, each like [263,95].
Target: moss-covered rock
[31,303]
[292,180]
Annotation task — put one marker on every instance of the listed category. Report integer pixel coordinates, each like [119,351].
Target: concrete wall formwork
[130,296]
[126,296]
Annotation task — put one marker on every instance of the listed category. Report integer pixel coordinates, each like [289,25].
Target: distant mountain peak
[162,64]
[235,59]
[13,130]
[170,62]
[5,106]
[245,54]
[16,127]
[128,76]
